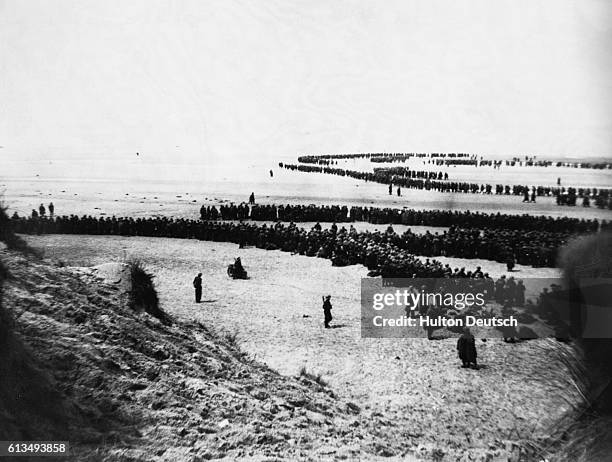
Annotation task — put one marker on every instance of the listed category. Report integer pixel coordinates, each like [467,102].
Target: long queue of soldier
[602,197]
[453,159]
[405,216]
[324,159]
[377,250]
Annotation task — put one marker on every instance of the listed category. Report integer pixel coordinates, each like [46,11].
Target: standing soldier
[466,347]
[252,198]
[197,284]
[510,261]
[41,210]
[327,307]
[51,208]
[399,191]
[526,194]
[390,189]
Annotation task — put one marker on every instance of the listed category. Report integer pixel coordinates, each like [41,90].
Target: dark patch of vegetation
[8,236]
[312,377]
[589,433]
[143,295]
[5,320]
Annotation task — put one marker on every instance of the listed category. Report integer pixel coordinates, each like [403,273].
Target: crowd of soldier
[532,248]
[373,156]
[42,211]
[455,159]
[405,216]
[397,173]
[601,196]
[536,248]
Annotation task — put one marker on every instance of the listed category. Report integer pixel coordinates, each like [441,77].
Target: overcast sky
[182,80]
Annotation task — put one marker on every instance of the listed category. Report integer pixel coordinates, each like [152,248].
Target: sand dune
[413,387]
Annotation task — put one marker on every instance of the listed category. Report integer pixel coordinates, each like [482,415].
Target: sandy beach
[412,384]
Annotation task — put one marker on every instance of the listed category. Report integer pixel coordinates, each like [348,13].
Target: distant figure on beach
[51,208]
[41,210]
[197,284]
[390,189]
[34,213]
[526,195]
[271,174]
[510,262]
[533,195]
[559,181]
[399,191]
[252,198]
[327,307]
[586,202]
[466,347]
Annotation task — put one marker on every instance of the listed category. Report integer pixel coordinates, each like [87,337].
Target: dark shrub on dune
[143,295]
[8,236]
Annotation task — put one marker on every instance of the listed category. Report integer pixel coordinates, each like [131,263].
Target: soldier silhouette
[327,307]
[197,284]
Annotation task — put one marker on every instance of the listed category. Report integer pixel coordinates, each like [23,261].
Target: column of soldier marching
[404,177]
[523,239]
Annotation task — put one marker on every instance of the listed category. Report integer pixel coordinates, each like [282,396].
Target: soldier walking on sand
[327,307]
[197,284]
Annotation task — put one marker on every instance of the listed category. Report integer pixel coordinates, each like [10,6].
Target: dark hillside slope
[78,364]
